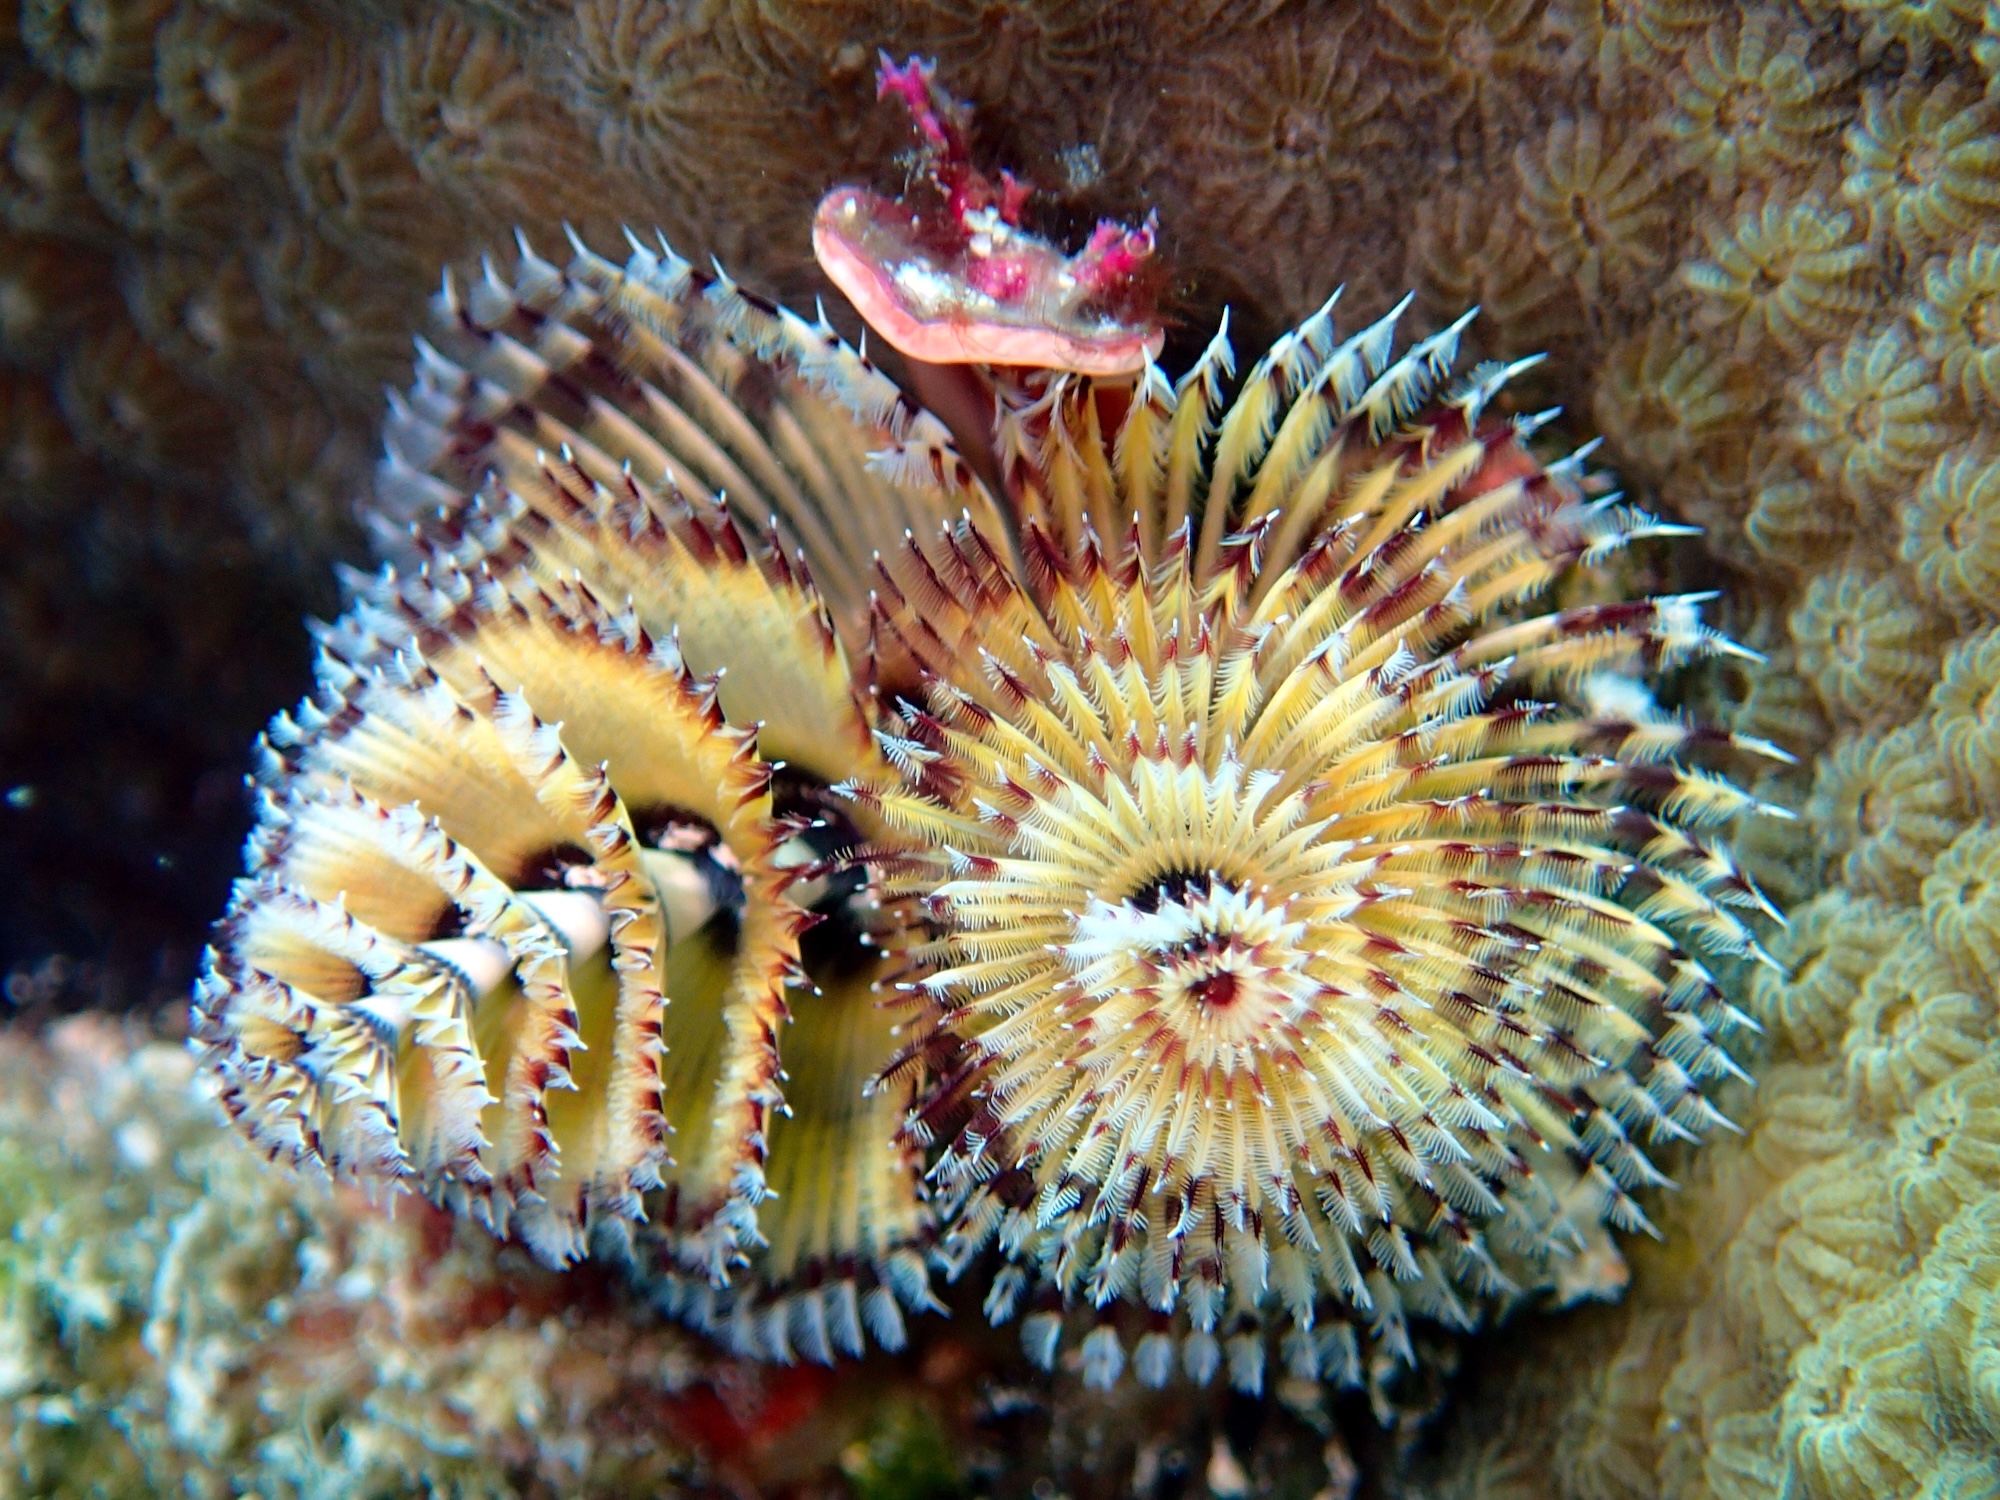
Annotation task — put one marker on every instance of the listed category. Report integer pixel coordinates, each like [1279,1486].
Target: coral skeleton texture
[180,1318]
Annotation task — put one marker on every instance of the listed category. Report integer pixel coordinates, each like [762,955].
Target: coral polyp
[1751,109]
[1593,203]
[1922,165]
[1960,319]
[1788,273]
[1168,838]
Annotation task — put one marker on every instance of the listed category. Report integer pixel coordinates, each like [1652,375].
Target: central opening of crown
[1181,887]
[1224,955]
[1215,983]
[1216,960]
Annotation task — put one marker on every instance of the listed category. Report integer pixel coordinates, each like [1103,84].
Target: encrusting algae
[1812,186]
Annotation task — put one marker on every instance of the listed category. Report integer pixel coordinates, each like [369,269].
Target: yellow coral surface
[1816,1317]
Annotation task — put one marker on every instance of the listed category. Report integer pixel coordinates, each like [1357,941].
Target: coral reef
[179,1318]
[1805,1323]
[341,153]
[1806,172]
[182,1320]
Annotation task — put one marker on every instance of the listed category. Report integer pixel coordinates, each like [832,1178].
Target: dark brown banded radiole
[540,919]
[1328,933]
